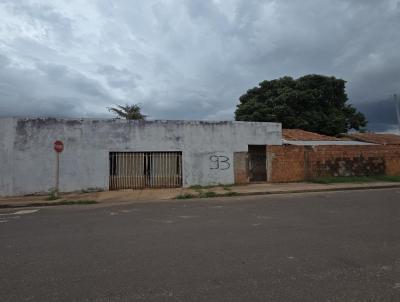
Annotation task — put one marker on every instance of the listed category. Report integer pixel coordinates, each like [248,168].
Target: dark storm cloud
[67,92]
[381,114]
[190,59]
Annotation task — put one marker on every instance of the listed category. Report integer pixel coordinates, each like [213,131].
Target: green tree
[313,103]
[129,112]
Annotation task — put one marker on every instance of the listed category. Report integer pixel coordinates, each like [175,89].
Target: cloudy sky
[190,59]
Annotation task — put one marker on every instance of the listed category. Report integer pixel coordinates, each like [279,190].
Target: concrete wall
[7,136]
[28,159]
[296,163]
[241,167]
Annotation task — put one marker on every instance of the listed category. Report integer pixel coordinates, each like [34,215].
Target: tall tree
[129,112]
[313,102]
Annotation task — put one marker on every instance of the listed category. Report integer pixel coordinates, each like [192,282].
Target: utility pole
[396,103]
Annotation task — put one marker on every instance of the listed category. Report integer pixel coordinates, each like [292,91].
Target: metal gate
[136,170]
[257,163]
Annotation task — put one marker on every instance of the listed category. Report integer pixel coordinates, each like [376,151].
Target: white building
[111,153]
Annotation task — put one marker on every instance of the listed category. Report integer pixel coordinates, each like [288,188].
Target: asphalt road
[339,246]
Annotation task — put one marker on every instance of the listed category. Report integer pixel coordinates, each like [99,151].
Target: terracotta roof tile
[301,135]
[376,138]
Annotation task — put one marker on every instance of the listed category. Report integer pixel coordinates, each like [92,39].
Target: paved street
[337,246]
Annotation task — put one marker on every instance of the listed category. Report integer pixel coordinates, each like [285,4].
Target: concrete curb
[318,190]
[237,194]
[43,204]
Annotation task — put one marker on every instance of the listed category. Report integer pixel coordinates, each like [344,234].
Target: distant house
[300,137]
[376,138]
[306,155]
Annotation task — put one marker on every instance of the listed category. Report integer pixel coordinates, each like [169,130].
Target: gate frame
[266,164]
[182,166]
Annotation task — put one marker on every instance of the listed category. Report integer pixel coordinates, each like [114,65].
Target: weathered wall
[240,160]
[27,144]
[7,135]
[296,163]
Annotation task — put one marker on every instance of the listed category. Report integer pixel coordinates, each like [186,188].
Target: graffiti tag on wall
[220,162]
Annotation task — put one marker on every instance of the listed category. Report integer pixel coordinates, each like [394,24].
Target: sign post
[58,147]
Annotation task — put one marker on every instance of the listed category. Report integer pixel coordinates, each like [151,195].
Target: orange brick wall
[289,163]
[285,164]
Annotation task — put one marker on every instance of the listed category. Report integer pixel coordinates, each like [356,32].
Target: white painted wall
[28,159]
[7,135]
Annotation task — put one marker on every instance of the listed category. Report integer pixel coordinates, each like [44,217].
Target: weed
[205,194]
[52,195]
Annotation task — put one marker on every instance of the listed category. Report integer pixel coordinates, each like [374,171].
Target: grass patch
[207,194]
[231,193]
[185,196]
[227,185]
[52,197]
[199,187]
[64,202]
[200,193]
[355,179]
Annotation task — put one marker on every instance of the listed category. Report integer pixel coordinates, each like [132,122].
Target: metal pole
[397,111]
[57,174]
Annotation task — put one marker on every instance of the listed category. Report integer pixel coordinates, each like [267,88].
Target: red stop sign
[58,146]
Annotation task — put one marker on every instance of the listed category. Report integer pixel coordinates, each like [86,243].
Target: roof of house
[305,138]
[376,138]
[301,135]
